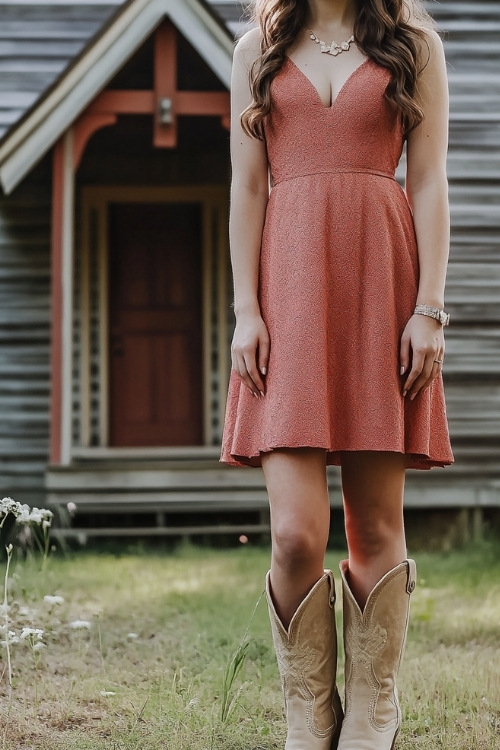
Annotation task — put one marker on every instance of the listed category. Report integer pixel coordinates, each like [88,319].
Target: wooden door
[155,346]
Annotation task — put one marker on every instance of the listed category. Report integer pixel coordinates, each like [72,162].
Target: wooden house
[115,318]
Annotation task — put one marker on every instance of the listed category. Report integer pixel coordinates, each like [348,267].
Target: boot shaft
[374,641]
[307,662]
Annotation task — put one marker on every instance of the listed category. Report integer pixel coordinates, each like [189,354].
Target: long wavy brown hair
[390,32]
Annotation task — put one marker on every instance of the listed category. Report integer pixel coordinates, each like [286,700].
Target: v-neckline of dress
[315,90]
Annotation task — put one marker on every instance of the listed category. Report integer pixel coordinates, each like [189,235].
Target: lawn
[135,655]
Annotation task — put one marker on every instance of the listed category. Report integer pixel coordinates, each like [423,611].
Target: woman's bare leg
[300,521]
[373,486]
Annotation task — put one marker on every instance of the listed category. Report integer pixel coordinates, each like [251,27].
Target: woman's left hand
[422,343]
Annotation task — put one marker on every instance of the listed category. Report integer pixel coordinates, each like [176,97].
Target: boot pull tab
[412,577]
[333,595]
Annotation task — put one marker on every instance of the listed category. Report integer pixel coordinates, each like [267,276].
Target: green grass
[174,686]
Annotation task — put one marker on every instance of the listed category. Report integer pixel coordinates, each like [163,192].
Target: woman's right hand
[250,351]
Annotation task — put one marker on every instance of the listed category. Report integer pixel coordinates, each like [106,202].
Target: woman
[337,353]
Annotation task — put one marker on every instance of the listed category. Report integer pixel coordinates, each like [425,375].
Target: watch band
[433,312]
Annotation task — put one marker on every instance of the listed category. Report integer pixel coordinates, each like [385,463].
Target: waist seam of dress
[338,170]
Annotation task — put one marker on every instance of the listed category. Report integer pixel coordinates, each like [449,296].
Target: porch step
[83,534]
[200,484]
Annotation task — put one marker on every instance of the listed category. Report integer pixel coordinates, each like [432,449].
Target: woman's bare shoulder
[248,47]
[430,48]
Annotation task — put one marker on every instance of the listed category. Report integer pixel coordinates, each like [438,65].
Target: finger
[404,354]
[439,359]
[251,366]
[436,371]
[417,365]
[437,365]
[424,378]
[264,348]
[245,377]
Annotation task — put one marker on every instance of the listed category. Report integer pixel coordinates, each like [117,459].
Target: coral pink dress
[338,283]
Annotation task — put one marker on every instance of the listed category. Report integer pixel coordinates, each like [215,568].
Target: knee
[371,538]
[298,545]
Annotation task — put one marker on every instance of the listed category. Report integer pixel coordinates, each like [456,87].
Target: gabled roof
[55,58]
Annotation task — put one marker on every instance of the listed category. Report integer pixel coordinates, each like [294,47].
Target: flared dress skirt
[338,283]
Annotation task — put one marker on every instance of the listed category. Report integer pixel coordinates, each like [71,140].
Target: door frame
[94,235]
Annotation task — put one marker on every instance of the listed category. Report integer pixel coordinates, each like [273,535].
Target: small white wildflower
[80,625]
[23,515]
[46,524]
[34,633]
[36,515]
[8,505]
[39,646]
[107,693]
[39,515]
[53,599]
[132,636]
[71,508]
[9,548]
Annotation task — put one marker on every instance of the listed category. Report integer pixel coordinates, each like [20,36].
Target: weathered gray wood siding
[37,41]
[24,337]
[472,43]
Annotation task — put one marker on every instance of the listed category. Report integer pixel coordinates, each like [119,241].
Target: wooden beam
[133,102]
[209,103]
[129,102]
[165,86]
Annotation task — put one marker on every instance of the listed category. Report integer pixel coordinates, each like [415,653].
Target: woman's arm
[249,196]
[427,191]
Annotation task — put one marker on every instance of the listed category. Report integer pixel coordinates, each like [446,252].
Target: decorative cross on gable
[165,102]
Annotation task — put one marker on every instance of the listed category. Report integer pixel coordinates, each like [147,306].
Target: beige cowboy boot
[374,642]
[307,662]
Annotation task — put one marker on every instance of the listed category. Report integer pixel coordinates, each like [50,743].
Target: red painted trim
[84,129]
[123,102]
[57,303]
[143,102]
[203,103]
[165,84]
